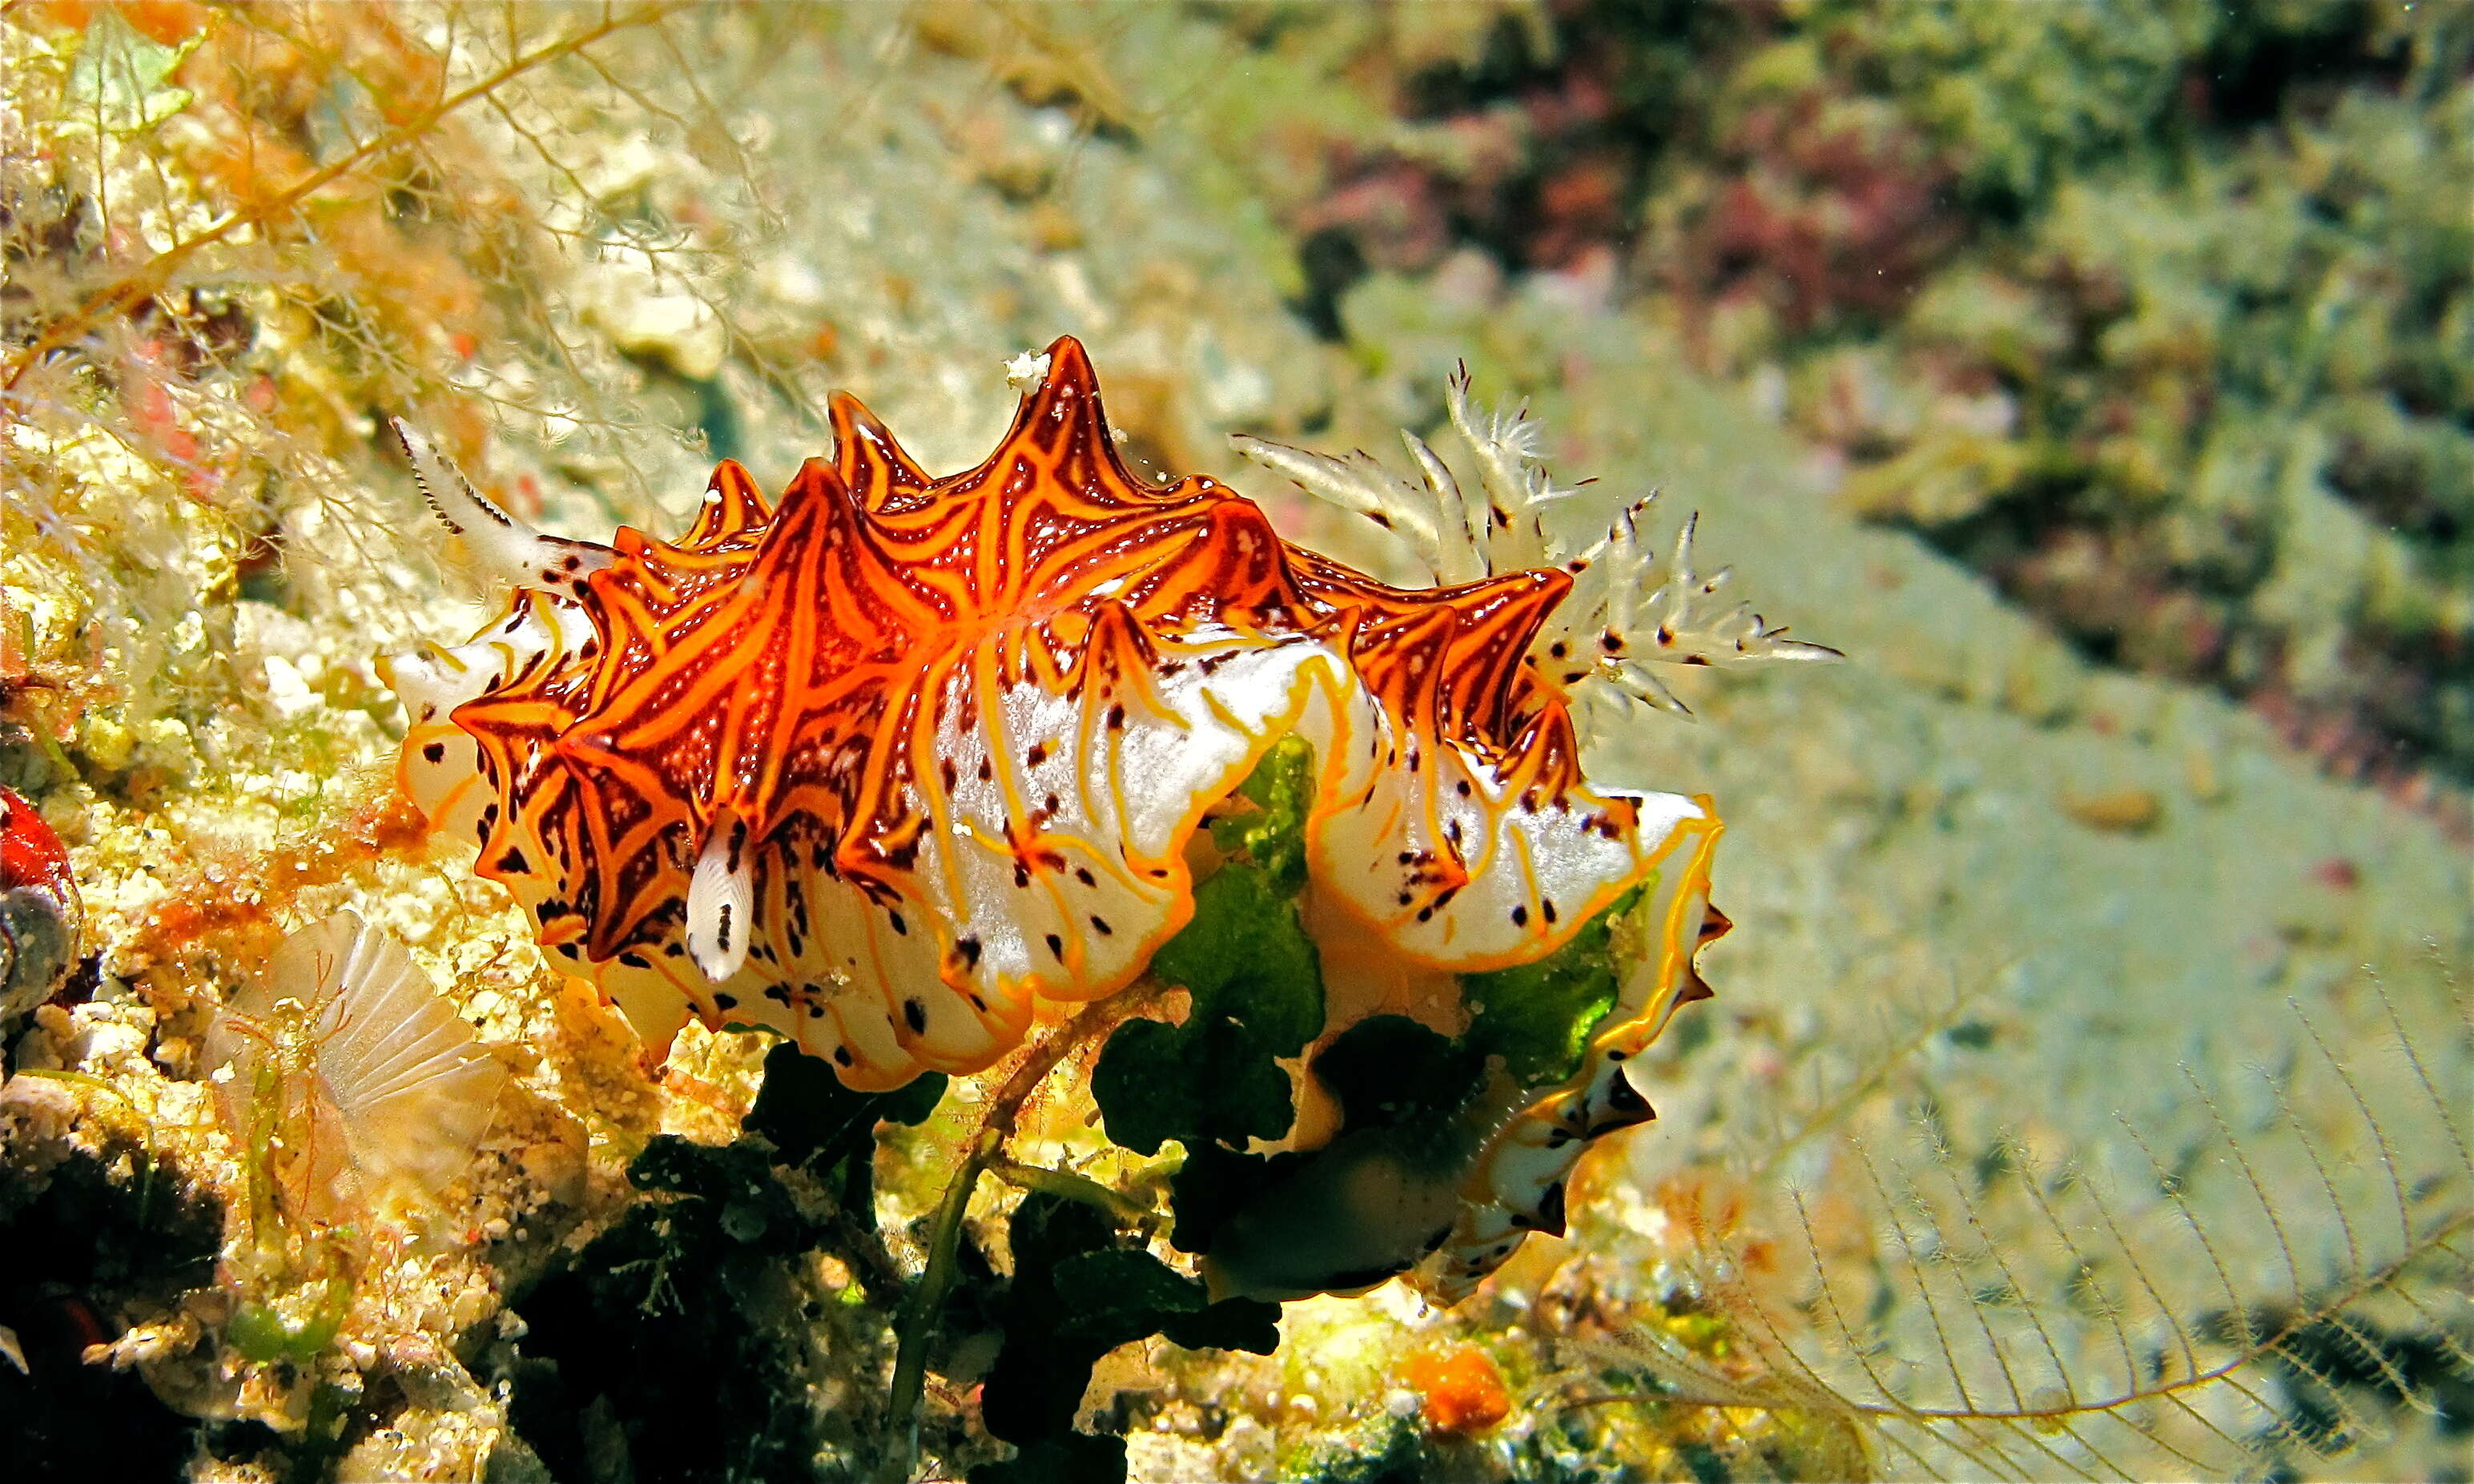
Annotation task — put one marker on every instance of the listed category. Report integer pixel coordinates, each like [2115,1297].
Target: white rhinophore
[507,547]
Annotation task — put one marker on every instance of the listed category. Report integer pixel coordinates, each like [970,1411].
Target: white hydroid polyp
[1626,611]
[349,1065]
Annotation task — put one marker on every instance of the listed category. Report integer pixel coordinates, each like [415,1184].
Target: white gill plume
[497,541]
[347,1072]
[1626,611]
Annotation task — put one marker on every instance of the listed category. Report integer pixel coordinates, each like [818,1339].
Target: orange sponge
[1463,1392]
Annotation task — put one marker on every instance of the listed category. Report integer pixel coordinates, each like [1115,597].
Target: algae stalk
[1070,1186]
[996,1126]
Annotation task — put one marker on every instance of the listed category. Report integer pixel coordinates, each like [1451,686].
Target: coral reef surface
[2085,1091]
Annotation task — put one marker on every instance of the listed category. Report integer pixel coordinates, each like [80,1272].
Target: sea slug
[881,763]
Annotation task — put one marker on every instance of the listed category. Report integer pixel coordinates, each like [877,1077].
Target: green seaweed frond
[1252,976]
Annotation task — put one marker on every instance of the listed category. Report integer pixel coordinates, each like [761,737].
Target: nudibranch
[881,764]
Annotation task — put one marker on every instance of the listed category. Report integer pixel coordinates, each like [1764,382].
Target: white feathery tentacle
[1693,626]
[1623,616]
[1459,554]
[1511,473]
[1358,482]
[497,541]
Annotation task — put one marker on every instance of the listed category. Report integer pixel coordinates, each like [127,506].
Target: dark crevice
[79,1256]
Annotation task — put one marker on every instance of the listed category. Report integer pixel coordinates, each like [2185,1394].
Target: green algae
[1538,1016]
[1250,971]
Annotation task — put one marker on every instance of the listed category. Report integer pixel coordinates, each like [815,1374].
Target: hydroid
[2270,1279]
[349,1077]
